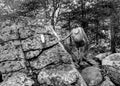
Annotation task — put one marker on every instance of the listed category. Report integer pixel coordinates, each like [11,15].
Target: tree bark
[97,30]
[113,49]
[114,26]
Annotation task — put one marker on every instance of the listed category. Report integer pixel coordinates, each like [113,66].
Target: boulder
[112,60]
[11,57]
[101,56]
[112,72]
[28,46]
[18,79]
[107,82]
[62,74]
[92,76]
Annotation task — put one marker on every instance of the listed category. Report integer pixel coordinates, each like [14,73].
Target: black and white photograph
[59,42]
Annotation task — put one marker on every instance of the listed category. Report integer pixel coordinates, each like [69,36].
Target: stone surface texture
[18,79]
[92,76]
[24,50]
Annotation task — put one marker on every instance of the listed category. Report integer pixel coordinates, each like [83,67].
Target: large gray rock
[111,67]
[19,42]
[11,57]
[62,74]
[101,56]
[92,76]
[112,60]
[25,46]
[8,31]
[47,57]
[112,72]
[17,79]
[107,82]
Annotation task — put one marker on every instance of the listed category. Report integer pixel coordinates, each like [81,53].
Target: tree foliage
[92,17]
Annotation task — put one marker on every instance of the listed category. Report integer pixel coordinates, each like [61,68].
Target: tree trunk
[97,32]
[113,49]
[114,26]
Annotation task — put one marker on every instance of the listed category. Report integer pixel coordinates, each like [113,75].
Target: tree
[93,14]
